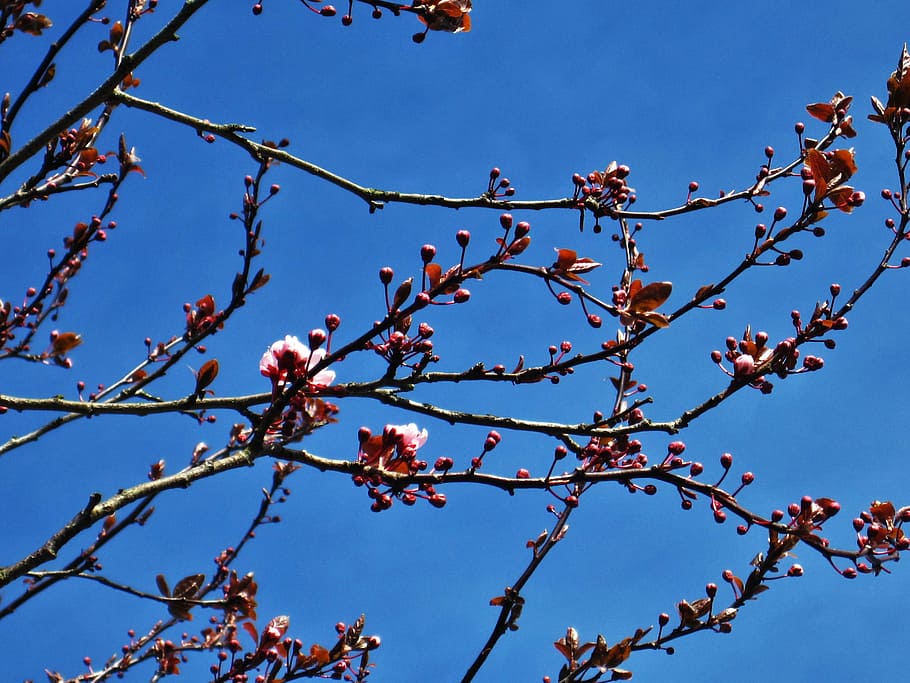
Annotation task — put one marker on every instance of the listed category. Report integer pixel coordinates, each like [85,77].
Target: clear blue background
[680,92]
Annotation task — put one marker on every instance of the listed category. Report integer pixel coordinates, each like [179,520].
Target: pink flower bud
[743,365]
[316,338]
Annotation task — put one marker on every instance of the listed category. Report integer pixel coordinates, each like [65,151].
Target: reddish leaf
[656,319]
[116,33]
[64,342]
[815,160]
[882,512]
[402,294]
[844,163]
[434,274]
[841,197]
[206,375]
[564,259]
[320,654]
[822,111]
[188,586]
[260,279]
[33,23]
[206,305]
[518,246]
[649,297]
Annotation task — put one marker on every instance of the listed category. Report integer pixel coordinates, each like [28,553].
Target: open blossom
[395,449]
[408,438]
[288,359]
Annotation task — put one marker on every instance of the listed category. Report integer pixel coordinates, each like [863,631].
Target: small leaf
[260,279]
[116,33]
[564,259]
[206,305]
[250,628]
[402,294]
[882,512]
[703,292]
[64,342]
[188,586]
[434,274]
[656,319]
[518,246]
[320,654]
[823,111]
[206,375]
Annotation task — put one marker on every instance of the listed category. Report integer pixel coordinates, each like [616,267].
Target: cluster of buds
[489,443]
[879,534]
[617,452]
[750,356]
[203,316]
[395,450]
[75,144]
[604,192]
[498,186]
[398,348]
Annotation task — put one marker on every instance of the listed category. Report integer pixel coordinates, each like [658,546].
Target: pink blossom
[288,359]
[409,439]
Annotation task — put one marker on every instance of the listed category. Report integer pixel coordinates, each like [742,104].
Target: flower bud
[316,338]
[676,447]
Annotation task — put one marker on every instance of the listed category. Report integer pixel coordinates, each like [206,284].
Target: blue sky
[679,92]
